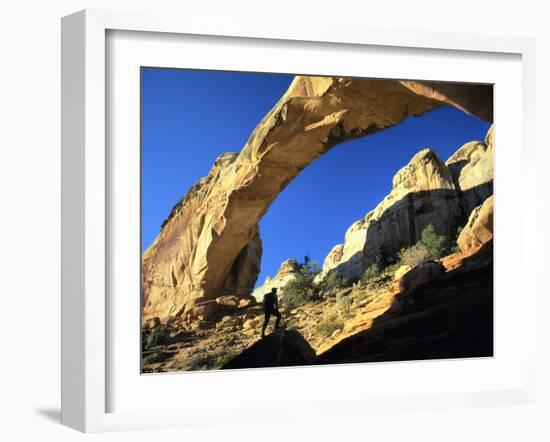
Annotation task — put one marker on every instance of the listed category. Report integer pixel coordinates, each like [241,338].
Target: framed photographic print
[246,207]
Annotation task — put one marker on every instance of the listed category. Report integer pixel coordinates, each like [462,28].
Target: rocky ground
[192,329]
[324,323]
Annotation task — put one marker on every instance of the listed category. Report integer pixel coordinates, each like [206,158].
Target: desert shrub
[414,255]
[328,326]
[202,361]
[344,302]
[371,273]
[294,294]
[392,268]
[225,358]
[157,357]
[430,246]
[158,336]
[332,283]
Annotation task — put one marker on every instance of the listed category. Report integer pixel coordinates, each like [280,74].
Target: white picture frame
[85,308]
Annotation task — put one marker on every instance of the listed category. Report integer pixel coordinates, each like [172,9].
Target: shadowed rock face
[422,192]
[448,316]
[212,234]
[436,312]
[479,228]
[282,348]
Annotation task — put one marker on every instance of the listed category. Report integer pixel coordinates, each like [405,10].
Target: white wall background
[30,216]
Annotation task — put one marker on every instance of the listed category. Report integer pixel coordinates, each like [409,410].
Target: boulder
[250,324]
[401,271]
[281,348]
[420,274]
[229,301]
[479,228]
[210,240]
[206,307]
[246,301]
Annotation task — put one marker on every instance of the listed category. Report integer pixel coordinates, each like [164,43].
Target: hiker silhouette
[271,307]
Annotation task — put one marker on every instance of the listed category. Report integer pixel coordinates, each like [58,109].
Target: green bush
[202,362]
[300,289]
[392,268]
[332,283]
[225,358]
[158,336]
[435,245]
[295,294]
[344,302]
[328,326]
[429,247]
[371,273]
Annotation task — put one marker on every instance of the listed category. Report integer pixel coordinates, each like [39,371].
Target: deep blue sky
[190,117]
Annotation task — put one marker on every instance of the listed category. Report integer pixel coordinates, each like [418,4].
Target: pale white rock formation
[285,274]
[423,192]
[472,169]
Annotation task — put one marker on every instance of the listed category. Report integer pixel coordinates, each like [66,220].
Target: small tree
[295,292]
[300,289]
[435,245]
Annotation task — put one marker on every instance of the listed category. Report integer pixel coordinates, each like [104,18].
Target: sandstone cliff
[472,169]
[479,228]
[209,245]
[425,191]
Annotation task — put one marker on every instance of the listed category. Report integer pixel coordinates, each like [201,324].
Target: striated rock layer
[209,245]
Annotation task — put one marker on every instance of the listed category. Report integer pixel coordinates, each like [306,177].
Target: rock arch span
[209,245]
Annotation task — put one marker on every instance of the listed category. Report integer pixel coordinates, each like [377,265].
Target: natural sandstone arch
[210,243]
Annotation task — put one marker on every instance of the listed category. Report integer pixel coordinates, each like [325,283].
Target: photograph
[303,220]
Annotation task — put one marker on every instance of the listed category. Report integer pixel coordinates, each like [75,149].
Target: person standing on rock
[271,307]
